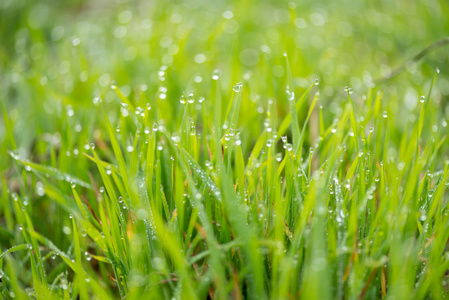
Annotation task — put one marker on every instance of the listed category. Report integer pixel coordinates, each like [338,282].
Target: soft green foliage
[209,149]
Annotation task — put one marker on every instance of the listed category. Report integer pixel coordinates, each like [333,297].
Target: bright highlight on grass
[246,180]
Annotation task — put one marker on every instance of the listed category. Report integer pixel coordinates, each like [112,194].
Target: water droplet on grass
[40,191]
[124,111]
[70,111]
[75,41]
[88,256]
[96,101]
[290,95]
[278,157]
[237,88]
[216,74]
[190,98]
[66,230]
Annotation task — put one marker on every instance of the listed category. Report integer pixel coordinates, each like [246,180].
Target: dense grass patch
[237,150]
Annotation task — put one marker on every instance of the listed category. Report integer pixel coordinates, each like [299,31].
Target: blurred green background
[59,53]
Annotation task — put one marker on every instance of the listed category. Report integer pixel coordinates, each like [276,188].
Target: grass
[194,151]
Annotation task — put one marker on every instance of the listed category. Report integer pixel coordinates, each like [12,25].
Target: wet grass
[145,165]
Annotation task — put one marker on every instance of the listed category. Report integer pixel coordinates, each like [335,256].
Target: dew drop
[237,87]
[66,230]
[216,74]
[40,191]
[88,256]
[278,157]
[96,101]
[190,98]
[75,41]
[124,111]
[70,111]
[266,122]
[182,99]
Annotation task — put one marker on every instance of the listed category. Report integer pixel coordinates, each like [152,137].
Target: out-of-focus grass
[195,149]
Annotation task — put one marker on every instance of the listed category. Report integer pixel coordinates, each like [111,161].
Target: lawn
[202,149]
